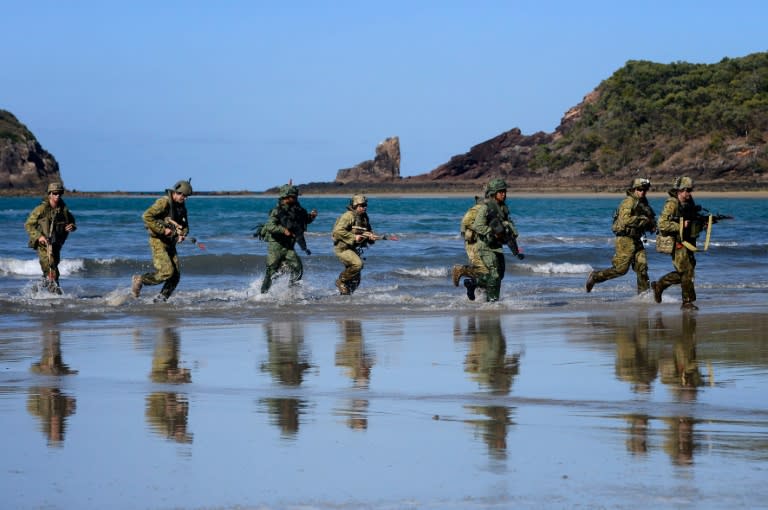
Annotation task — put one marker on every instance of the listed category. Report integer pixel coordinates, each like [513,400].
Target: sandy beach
[621,408]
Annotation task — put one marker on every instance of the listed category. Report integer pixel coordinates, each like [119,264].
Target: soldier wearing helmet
[679,219]
[167,224]
[352,232]
[48,226]
[632,219]
[494,228]
[285,227]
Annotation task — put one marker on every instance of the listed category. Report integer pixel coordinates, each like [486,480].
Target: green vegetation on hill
[11,128]
[647,112]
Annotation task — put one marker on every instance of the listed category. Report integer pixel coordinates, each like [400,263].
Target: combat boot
[688,306]
[343,289]
[471,285]
[657,290]
[590,282]
[456,274]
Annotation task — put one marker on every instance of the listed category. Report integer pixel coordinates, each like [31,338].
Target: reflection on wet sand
[493,369]
[49,403]
[676,365]
[287,362]
[167,412]
[351,353]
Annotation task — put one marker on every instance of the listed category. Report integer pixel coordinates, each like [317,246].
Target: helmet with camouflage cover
[288,190]
[183,187]
[496,185]
[358,200]
[640,183]
[55,187]
[683,183]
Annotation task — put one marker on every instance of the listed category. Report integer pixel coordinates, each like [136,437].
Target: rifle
[694,214]
[503,233]
[371,236]
[178,231]
[295,220]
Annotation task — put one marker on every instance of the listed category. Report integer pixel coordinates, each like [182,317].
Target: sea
[563,239]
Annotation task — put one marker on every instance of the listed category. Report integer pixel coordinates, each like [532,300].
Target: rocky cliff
[385,167]
[24,165]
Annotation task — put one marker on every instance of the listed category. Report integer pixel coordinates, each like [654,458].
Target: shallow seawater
[633,407]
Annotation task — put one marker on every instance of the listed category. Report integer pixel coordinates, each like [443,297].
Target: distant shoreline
[401,194]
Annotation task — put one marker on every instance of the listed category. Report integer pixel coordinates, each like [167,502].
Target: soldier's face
[53,198]
[179,198]
[501,196]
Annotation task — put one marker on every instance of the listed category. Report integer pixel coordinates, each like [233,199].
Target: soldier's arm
[32,224]
[154,216]
[666,224]
[480,224]
[342,230]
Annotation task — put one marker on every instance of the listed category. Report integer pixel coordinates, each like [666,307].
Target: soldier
[633,218]
[285,227]
[351,233]
[494,229]
[48,226]
[470,246]
[680,208]
[166,221]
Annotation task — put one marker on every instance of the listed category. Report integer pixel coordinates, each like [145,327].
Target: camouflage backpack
[467,221]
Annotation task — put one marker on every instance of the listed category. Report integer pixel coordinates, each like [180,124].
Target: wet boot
[590,282]
[688,306]
[343,289]
[136,284]
[471,285]
[657,290]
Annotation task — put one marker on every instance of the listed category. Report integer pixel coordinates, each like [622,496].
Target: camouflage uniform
[490,247]
[51,223]
[470,246]
[281,247]
[633,218]
[347,248]
[163,247]
[683,259]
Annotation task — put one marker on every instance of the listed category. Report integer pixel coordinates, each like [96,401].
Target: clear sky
[134,95]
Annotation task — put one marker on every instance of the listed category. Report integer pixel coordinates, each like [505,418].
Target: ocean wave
[424,272]
[558,268]
[31,267]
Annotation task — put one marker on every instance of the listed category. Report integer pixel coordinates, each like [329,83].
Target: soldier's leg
[170,284]
[491,280]
[622,259]
[161,258]
[349,278]
[293,262]
[640,265]
[687,269]
[275,256]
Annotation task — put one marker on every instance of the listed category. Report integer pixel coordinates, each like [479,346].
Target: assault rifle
[177,231]
[371,236]
[503,233]
[705,221]
[295,220]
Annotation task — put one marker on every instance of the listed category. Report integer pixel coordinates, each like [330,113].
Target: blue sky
[243,95]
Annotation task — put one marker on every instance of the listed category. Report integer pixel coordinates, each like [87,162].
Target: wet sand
[622,408]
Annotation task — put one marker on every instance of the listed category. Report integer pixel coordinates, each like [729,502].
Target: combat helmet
[55,187]
[288,190]
[683,183]
[640,182]
[496,185]
[183,187]
[358,200]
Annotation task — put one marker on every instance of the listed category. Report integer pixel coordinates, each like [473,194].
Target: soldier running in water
[48,226]
[351,234]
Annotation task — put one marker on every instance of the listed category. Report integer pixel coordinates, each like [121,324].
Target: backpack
[467,221]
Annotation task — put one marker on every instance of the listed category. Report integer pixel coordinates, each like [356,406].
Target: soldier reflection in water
[287,363]
[488,363]
[352,354]
[167,412]
[638,365]
[50,404]
[684,377]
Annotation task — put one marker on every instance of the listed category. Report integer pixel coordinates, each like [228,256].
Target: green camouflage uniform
[46,221]
[164,256]
[347,249]
[281,248]
[490,248]
[471,245]
[683,259]
[633,218]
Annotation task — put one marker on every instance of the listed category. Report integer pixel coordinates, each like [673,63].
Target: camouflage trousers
[684,262]
[167,268]
[630,252]
[279,257]
[49,263]
[475,261]
[495,266]
[353,265]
